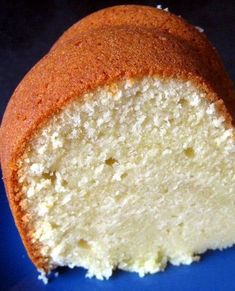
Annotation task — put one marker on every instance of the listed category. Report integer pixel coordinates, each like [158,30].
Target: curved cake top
[138,16]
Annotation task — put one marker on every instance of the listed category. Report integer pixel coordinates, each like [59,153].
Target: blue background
[27,31]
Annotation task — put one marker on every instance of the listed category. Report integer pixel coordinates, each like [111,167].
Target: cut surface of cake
[118,148]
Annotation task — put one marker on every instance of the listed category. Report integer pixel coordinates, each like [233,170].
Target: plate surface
[215,271]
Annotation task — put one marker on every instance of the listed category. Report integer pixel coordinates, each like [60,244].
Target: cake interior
[131,176]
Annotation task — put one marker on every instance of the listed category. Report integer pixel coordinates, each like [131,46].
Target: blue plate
[215,271]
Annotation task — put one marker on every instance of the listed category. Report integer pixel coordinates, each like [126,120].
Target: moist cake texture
[118,150]
[140,174]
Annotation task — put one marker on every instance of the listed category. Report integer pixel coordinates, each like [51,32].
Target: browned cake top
[136,15]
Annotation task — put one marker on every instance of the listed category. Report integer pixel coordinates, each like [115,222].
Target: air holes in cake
[49,176]
[171,120]
[64,183]
[46,176]
[164,190]
[183,102]
[120,196]
[138,94]
[100,135]
[189,152]
[54,225]
[124,175]
[84,244]
[110,161]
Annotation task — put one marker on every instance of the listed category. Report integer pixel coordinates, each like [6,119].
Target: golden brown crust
[140,16]
[99,56]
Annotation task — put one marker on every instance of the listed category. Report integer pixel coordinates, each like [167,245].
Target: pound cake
[118,147]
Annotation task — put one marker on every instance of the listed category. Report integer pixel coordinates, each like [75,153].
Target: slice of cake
[118,147]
